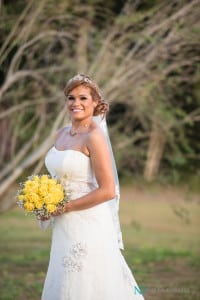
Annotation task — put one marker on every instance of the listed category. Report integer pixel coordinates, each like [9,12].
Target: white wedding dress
[85,260]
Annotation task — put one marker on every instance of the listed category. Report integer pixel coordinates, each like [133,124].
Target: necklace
[73,133]
[77,130]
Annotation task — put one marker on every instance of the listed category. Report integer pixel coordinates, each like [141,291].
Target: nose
[76,101]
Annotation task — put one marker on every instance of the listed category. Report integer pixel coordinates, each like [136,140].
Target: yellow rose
[43,190]
[29,206]
[52,182]
[59,186]
[49,199]
[57,194]
[20,197]
[28,183]
[31,197]
[31,186]
[44,179]
[26,191]
[36,178]
[55,200]
[35,185]
[39,205]
[51,208]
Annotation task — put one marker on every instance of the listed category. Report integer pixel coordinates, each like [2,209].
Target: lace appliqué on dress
[74,261]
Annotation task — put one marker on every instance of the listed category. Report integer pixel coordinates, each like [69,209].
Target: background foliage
[143,54]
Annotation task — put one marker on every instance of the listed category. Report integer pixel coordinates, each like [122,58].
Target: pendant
[72,133]
[77,131]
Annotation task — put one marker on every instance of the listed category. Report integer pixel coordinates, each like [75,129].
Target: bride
[86,262]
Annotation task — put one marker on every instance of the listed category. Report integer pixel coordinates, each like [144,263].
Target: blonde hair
[102,107]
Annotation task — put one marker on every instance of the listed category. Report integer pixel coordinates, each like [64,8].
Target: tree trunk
[155,152]
[82,48]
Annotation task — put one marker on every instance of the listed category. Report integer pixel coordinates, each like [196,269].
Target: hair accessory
[81,77]
[86,79]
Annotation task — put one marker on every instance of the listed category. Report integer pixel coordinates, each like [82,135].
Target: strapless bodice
[73,168]
[71,164]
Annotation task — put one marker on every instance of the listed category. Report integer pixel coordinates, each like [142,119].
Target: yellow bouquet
[40,195]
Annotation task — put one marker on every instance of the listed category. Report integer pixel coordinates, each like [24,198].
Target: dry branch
[132,58]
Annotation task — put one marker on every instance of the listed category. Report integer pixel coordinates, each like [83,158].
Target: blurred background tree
[143,54]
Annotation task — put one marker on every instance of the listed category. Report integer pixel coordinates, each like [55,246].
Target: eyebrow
[70,95]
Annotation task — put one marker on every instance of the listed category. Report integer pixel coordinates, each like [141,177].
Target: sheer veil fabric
[113,203]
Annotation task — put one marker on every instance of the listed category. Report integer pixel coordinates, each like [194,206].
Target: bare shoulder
[96,139]
[99,152]
[96,133]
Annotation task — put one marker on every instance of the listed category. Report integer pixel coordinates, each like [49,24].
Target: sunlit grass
[154,223]
[160,248]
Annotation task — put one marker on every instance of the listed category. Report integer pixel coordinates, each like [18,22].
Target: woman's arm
[102,166]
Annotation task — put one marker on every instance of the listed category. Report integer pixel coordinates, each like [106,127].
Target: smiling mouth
[76,110]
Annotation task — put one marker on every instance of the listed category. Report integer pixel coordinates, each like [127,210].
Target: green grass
[154,223]
[161,248]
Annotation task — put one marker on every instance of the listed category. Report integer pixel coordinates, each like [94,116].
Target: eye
[83,98]
[70,98]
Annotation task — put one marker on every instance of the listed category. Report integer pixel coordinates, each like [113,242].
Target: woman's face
[80,103]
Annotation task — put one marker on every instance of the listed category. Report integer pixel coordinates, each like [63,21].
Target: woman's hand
[61,209]
[42,218]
